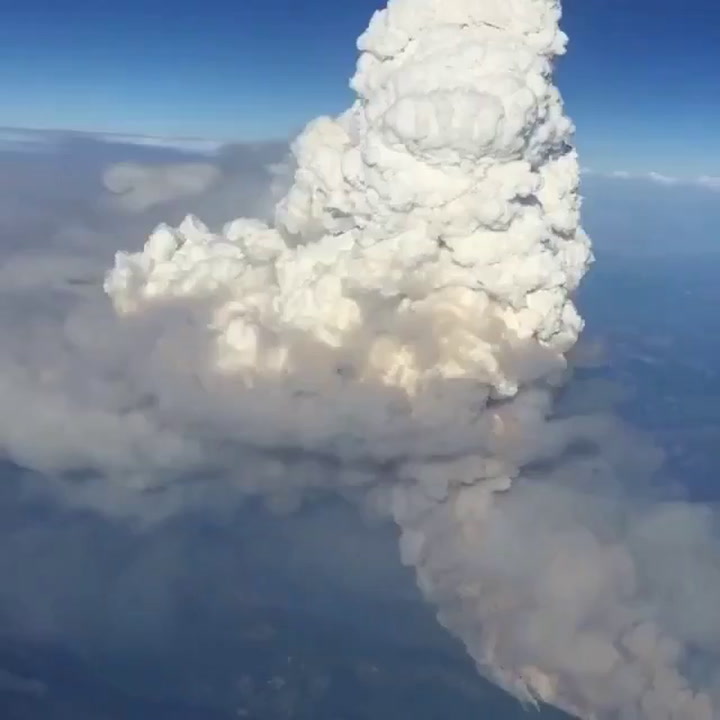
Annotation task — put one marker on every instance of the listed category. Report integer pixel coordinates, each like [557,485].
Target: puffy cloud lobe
[140,187]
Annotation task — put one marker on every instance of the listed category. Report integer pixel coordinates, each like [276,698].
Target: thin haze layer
[410,310]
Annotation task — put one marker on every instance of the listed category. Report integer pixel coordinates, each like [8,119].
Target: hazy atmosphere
[408,413]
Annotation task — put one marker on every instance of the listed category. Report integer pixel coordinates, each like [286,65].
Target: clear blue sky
[641,80]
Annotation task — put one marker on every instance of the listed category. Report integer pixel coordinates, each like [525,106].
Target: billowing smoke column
[425,253]
[408,315]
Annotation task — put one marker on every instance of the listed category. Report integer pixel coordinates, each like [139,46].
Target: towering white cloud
[430,239]
[404,322]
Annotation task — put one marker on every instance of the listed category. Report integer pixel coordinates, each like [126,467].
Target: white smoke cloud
[397,335]
[63,373]
[139,188]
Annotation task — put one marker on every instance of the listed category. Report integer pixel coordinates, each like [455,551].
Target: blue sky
[641,79]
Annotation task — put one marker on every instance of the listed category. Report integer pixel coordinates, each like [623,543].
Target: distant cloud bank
[31,140]
[707,182]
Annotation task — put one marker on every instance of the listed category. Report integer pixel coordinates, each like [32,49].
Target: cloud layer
[705,182]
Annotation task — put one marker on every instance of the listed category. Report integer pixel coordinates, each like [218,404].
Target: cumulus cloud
[396,335]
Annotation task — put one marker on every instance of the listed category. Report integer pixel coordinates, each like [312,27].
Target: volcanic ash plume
[407,317]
